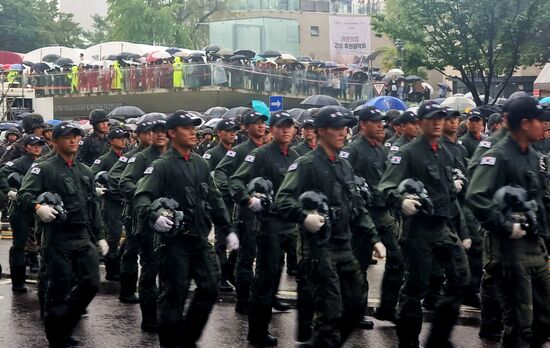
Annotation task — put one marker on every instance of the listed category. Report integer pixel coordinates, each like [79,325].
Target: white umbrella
[459,103]
[285,59]
[397,72]
[161,55]
[428,86]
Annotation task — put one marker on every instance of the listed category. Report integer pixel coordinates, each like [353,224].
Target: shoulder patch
[460,142]
[81,142]
[250,158]
[489,161]
[123,159]
[97,161]
[207,156]
[9,163]
[148,171]
[395,160]
[35,170]
[344,154]
[387,144]
[34,164]
[293,167]
[485,144]
[231,153]
[8,148]
[394,148]
[132,160]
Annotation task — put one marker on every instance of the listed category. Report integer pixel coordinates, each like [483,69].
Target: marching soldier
[427,233]
[61,192]
[516,236]
[333,275]
[475,126]
[33,124]
[183,250]
[96,143]
[409,131]
[310,138]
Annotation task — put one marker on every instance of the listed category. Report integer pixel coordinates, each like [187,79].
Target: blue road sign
[276,103]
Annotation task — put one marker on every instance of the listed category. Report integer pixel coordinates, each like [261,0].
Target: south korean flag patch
[485,144]
[148,171]
[250,158]
[97,161]
[395,160]
[207,156]
[488,161]
[231,153]
[132,160]
[344,154]
[123,159]
[394,148]
[35,170]
[81,142]
[293,167]
[9,163]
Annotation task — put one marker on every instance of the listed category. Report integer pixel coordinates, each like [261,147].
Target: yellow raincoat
[73,76]
[117,78]
[177,76]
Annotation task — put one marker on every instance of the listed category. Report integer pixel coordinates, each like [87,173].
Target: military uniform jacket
[335,178]
[118,169]
[229,165]
[269,162]
[302,148]
[75,185]
[469,142]
[187,181]
[20,166]
[104,163]
[135,169]
[215,155]
[400,142]
[458,151]
[369,162]
[505,164]
[483,147]
[418,160]
[92,146]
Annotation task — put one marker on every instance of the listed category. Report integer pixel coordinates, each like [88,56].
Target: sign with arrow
[276,103]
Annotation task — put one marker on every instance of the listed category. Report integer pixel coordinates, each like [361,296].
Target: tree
[30,24]
[100,31]
[481,39]
[177,23]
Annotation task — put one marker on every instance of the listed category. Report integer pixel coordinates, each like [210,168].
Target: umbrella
[150,117]
[111,57]
[361,76]
[501,101]
[299,115]
[29,64]
[236,114]
[128,56]
[64,62]
[353,105]
[238,58]
[320,101]
[487,110]
[212,48]
[385,103]
[261,107]
[428,86]
[413,78]
[161,55]
[17,67]
[124,112]
[182,54]
[225,52]
[270,54]
[247,53]
[305,59]
[340,67]
[459,103]
[50,58]
[42,66]
[173,50]
[397,72]
[53,122]
[286,59]
[542,101]
[197,57]
[329,64]
[212,123]
[215,112]
[438,100]
[317,64]
[8,125]
[443,85]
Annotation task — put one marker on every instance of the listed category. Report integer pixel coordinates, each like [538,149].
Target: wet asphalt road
[111,324]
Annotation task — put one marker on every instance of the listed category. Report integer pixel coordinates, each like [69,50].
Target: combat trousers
[245,258]
[112,215]
[491,286]
[426,238]
[337,287]
[22,223]
[182,258]
[526,289]
[71,264]
[147,284]
[227,262]
[129,249]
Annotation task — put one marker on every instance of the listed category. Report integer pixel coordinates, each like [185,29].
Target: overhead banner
[349,38]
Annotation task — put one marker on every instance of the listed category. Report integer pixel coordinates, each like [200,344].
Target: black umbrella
[197,57]
[151,117]
[124,112]
[270,54]
[128,56]
[360,76]
[353,105]
[29,64]
[320,100]
[236,114]
[237,58]
[487,110]
[299,115]
[173,50]
[413,78]
[64,62]
[215,112]
[111,57]
[41,66]
[247,53]
[212,48]
[50,58]
[317,64]
[442,85]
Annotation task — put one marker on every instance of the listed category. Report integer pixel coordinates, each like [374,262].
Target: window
[314,30]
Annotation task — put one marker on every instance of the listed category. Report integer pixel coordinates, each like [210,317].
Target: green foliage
[481,39]
[30,24]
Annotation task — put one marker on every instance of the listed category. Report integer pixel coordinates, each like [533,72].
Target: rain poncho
[177,77]
[73,76]
[116,82]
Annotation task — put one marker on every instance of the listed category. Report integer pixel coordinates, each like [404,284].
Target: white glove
[517,231]
[103,246]
[409,205]
[459,185]
[12,194]
[314,222]
[232,242]
[255,204]
[467,243]
[163,224]
[379,250]
[100,191]
[46,213]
